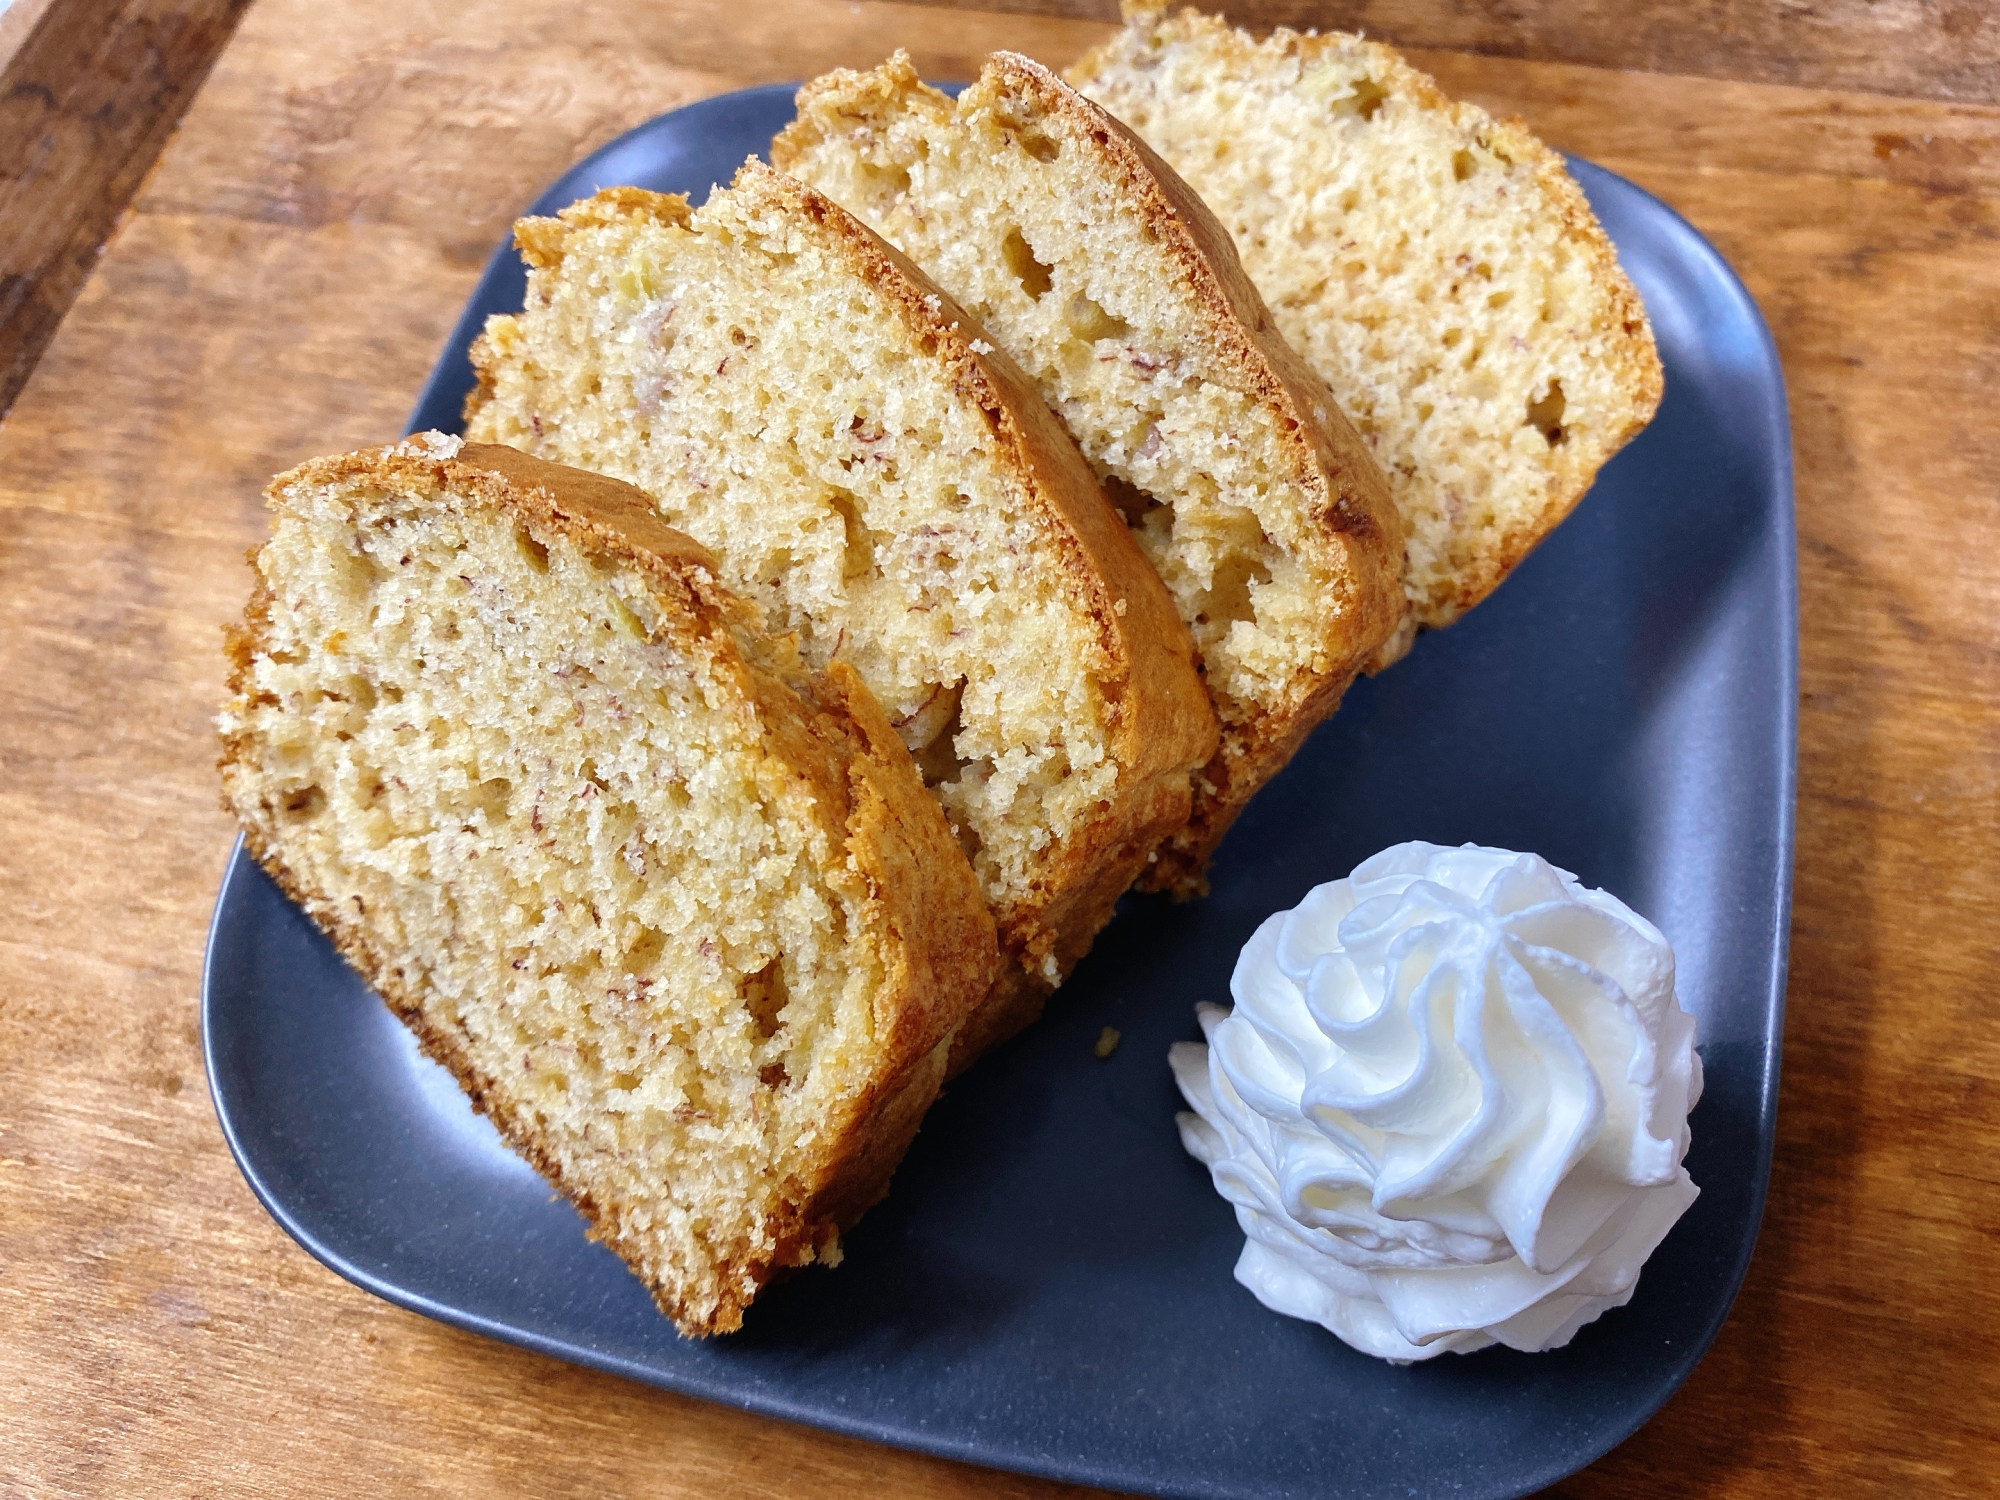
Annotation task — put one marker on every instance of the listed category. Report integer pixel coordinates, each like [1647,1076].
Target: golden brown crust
[1345,487]
[613,517]
[1633,356]
[604,516]
[924,910]
[1164,725]
[1348,496]
[1354,536]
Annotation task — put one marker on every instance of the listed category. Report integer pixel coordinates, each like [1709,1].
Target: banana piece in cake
[1438,267]
[801,399]
[682,920]
[1106,279]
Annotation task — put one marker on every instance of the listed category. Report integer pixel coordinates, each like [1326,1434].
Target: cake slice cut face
[802,400]
[1102,274]
[1438,268]
[681,919]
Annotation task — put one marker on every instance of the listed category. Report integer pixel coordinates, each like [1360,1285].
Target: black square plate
[1048,1287]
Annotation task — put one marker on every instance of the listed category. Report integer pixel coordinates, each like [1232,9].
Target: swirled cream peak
[1450,1105]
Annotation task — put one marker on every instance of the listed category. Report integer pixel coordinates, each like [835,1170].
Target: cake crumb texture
[1439,268]
[680,917]
[1098,270]
[800,398]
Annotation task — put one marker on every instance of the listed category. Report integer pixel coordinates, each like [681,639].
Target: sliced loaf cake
[681,919]
[1091,263]
[1439,268]
[802,400]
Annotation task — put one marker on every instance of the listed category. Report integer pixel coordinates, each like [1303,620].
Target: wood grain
[16,21]
[1936,49]
[84,122]
[88,96]
[280,288]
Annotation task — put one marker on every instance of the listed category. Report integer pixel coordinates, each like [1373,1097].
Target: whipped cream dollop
[1450,1105]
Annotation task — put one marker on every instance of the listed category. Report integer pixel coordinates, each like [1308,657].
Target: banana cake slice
[680,917]
[1439,268]
[866,466]
[1102,274]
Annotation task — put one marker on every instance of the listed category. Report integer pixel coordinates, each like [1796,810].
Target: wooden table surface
[283,281]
